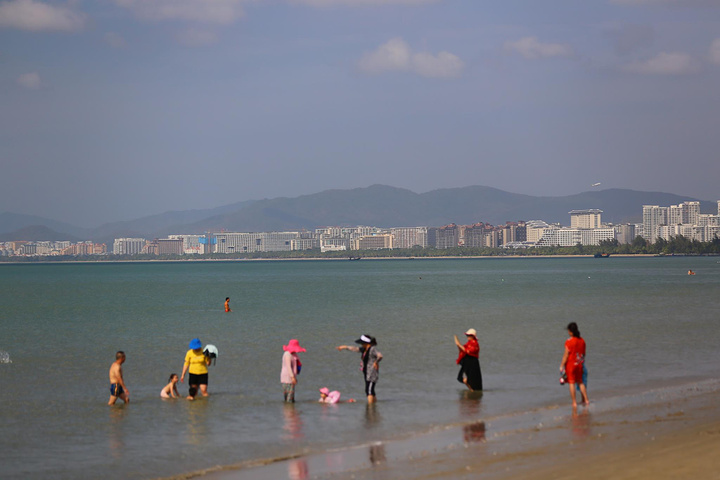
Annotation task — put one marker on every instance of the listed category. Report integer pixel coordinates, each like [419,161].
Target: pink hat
[325,391]
[293,346]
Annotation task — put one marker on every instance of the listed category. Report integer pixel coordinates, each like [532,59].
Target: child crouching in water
[326,396]
[170,390]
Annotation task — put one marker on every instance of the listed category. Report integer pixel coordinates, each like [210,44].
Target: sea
[645,320]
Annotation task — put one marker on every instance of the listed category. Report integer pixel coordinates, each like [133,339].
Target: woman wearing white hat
[469,361]
[370,362]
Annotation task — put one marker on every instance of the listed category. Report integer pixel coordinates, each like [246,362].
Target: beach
[670,432]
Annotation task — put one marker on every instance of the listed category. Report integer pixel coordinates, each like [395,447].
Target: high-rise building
[169,246]
[373,242]
[656,217]
[447,236]
[589,218]
[475,235]
[653,217]
[625,233]
[409,237]
[128,246]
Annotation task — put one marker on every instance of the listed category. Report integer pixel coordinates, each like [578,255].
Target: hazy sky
[116,109]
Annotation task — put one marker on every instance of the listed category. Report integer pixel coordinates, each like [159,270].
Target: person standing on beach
[572,362]
[469,361]
[227,305]
[289,370]
[196,362]
[117,383]
[370,362]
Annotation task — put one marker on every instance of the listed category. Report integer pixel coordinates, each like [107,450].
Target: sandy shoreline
[666,432]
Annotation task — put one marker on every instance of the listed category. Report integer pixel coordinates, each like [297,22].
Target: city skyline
[115,110]
[665,223]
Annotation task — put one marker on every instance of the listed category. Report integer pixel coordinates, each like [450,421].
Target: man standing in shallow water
[117,384]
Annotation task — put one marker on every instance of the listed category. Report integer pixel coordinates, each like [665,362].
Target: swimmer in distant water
[117,384]
[227,305]
[170,390]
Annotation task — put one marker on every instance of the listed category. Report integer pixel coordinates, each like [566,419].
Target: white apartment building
[304,243]
[568,237]
[333,248]
[333,244]
[373,242]
[535,229]
[409,237]
[590,218]
[684,219]
[128,246]
[653,217]
[699,233]
[255,242]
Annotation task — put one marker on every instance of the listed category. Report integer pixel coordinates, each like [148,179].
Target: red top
[576,352]
[472,349]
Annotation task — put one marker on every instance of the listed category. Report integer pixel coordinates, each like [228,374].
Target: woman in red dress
[468,359]
[572,362]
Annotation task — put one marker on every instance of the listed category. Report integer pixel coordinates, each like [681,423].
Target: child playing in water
[192,391]
[170,390]
[326,396]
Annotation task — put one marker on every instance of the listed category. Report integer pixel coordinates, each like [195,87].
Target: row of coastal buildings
[586,228]
[51,248]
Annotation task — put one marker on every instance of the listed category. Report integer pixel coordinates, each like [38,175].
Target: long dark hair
[572,326]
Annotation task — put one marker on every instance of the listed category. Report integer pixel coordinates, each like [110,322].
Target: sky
[117,109]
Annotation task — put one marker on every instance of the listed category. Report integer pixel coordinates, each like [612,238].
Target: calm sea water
[644,319]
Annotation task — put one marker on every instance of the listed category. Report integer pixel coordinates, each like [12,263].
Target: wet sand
[668,432]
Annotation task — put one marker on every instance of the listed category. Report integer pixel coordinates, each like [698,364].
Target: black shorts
[370,388]
[201,379]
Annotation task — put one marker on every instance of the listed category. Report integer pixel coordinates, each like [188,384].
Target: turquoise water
[644,320]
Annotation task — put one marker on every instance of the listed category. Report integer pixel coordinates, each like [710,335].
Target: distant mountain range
[377,205]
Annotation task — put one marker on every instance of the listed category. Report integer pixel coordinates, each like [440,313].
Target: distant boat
[354,258]
[601,255]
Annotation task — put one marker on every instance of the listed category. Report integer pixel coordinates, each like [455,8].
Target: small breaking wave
[5,357]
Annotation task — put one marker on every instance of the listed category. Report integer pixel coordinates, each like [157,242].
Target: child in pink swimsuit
[326,396]
[170,390]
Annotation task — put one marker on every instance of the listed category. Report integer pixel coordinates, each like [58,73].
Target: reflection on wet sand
[474,432]
[580,423]
[377,454]
[470,403]
[372,416]
[298,469]
[293,423]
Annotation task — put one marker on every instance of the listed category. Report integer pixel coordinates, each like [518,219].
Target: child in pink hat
[326,396]
[290,370]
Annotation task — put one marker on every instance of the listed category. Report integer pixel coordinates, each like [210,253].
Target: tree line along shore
[639,246]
